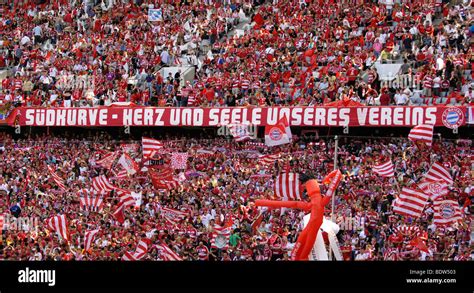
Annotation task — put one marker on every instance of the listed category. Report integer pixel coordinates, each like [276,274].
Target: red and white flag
[384,169]
[140,251]
[438,172]
[179,160]
[125,197]
[125,200]
[278,134]
[267,161]
[59,225]
[89,238]
[128,164]
[410,202]
[91,203]
[240,132]
[166,253]
[102,184]
[58,180]
[446,212]
[436,189]
[287,186]
[423,133]
[220,237]
[150,147]
[163,179]
[2,222]
[107,160]
[120,174]
[172,215]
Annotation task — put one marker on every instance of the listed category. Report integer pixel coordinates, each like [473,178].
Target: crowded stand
[214,187]
[250,130]
[262,53]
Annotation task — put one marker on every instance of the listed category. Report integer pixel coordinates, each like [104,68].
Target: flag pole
[336,139]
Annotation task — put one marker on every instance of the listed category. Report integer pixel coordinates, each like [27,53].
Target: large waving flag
[102,184]
[140,251]
[128,164]
[384,169]
[58,180]
[410,202]
[173,216]
[220,237]
[150,147]
[59,225]
[278,134]
[438,172]
[436,189]
[423,133]
[166,253]
[107,160]
[88,238]
[446,212]
[287,186]
[91,203]
[267,161]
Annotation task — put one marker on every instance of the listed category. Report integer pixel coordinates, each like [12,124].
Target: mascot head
[312,188]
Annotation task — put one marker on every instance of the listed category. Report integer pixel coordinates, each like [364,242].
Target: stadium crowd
[221,180]
[293,52]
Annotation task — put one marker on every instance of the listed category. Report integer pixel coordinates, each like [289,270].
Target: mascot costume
[307,238]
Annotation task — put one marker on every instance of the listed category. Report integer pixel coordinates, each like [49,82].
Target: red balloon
[305,242]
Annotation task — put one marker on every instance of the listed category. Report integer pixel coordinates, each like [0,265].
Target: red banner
[391,116]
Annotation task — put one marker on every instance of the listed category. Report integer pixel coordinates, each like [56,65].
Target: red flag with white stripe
[163,179]
[438,172]
[59,225]
[89,238]
[140,251]
[58,180]
[91,203]
[410,202]
[125,200]
[102,184]
[150,147]
[268,161]
[287,186]
[122,174]
[107,160]
[384,169]
[125,197]
[423,133]
[173,215]
[166,253]
[446,212]
[436,189]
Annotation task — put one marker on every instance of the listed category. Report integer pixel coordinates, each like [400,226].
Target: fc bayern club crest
[447,211]
[453,117]
[275,133]
[434,188]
